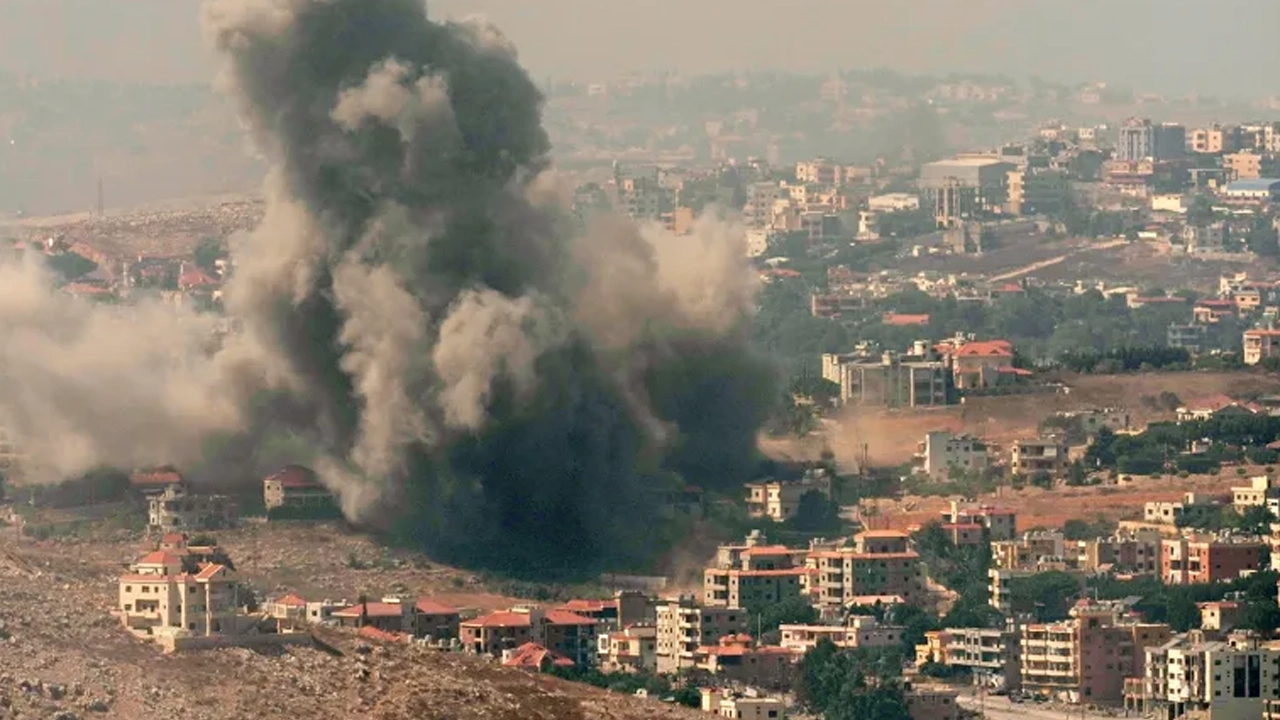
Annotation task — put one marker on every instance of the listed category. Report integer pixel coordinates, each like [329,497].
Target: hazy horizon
[1140,43]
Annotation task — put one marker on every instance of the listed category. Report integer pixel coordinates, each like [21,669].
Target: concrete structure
[160,597]
[1000,587]
[1001,523]
[942,453]
[1194,559]
[891,382]
[963,187]
[859,631]
[893,202]
[1043,454]
[742,706]
[878,564]
[1212,140]
[634,649]
[1260,345]
[390,615]
[978,364]
[1087,658]
[294,486]
[1193,508]
[1192,676]
[1141,139]
[1243,165]
[1256,190]
[1026,551]
[1220,616]
[738,659]
[1260,492]
[761,576]
[927,703]
[1125,552]
[176,510]
[991,654]
[779,501]
[683,626]
[1038,192]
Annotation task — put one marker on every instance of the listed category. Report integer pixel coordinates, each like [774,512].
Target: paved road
[999,708]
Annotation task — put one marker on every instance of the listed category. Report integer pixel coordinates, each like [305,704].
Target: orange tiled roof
[500,619]
[292,600]
[160,557]
[427,606]
[532,655]
[373,609]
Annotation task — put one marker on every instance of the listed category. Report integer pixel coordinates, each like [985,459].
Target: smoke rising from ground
[464,368]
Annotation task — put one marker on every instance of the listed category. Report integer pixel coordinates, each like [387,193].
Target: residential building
[964,187]
[1043,454]
[1141,139]
[738,659]
[1191,676]
[1212,140]
[1243,165]
[942,454]
[932,703]
[893,202]
[1212,312]
[742,706]
[175,510]
[1260,345]
[1133,553]
[1195,559]
[1086,659]
[992,655]
[1220,616]
[683,626]
[859,631]
[159,596]
[1000,587]
[535,657]
[891,382]
[289,612]
[566,633]
[978,364]
[765,577]
[834,304]
[779,501]
[154,481]
[295,486]
[1260,492]
[435,621]
[1001,523]
[633,649]
[880,563]
[1027,551]
[1038,191]
[1193,509]
[390,614]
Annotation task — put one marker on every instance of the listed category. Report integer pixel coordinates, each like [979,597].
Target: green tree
[208,252]
[69,266]
[788,612]
[1046,595]
[850,684]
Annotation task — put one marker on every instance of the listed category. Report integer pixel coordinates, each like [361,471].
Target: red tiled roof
[1216,304]
[765,550]
[501,619]
[157,579]
[768,573]
[160,557]
[586,606]
[370,632]
[427,606]
[986,348]
[532,655]
[86,289]
[196,278]
[296,476]
[209,570]
[564,617]
[155,477]
[882,534]
[172,538]
[292,600]
[373,609]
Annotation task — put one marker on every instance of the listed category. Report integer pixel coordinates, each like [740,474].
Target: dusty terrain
[63,656]
[890,437]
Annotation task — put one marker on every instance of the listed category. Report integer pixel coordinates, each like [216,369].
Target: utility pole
[101,208]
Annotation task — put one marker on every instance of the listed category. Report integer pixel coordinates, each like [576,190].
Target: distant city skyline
[1150,46]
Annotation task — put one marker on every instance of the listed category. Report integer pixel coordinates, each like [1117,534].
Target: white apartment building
[683,626]
[158,597]
[742,706]
[861,631]
[941,453]
[1217,680]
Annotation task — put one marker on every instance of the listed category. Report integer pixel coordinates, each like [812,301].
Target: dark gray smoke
[471,375]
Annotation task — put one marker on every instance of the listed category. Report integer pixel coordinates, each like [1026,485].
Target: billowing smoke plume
[464,368]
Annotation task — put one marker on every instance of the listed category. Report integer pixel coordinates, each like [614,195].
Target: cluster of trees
[1176,604]
[628,683]
[1162,446]
[1126,359]
[852,684]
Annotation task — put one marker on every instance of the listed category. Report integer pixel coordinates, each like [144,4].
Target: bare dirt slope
[63,656]
[890,437]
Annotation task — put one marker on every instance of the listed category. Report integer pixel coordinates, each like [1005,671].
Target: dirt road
[999,708]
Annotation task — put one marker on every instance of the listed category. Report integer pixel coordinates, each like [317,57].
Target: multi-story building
[160,597]
[932,703]
[1260,492]
[176,510]
[1192,676]
[683,626]
[294,486]
[1043,454]
[1193,509]
[738,659]
[1141,139]
[977,364]
[1000,586]
[891,382]
[991,654]
[943,453]
[1212,140]
[1260,345]
[1086,658]
[779,501]
[1243,165]
[1038,191]
[566,633]
[964,187]
[634,649]
[859,631]
[1028,550]
[1195,559]
[763,576]
[1130,553]
[1000,523]
[880,563]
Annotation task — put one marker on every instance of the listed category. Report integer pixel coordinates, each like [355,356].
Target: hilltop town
[1023,461]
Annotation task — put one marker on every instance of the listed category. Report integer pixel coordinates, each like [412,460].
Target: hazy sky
[1211,46]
